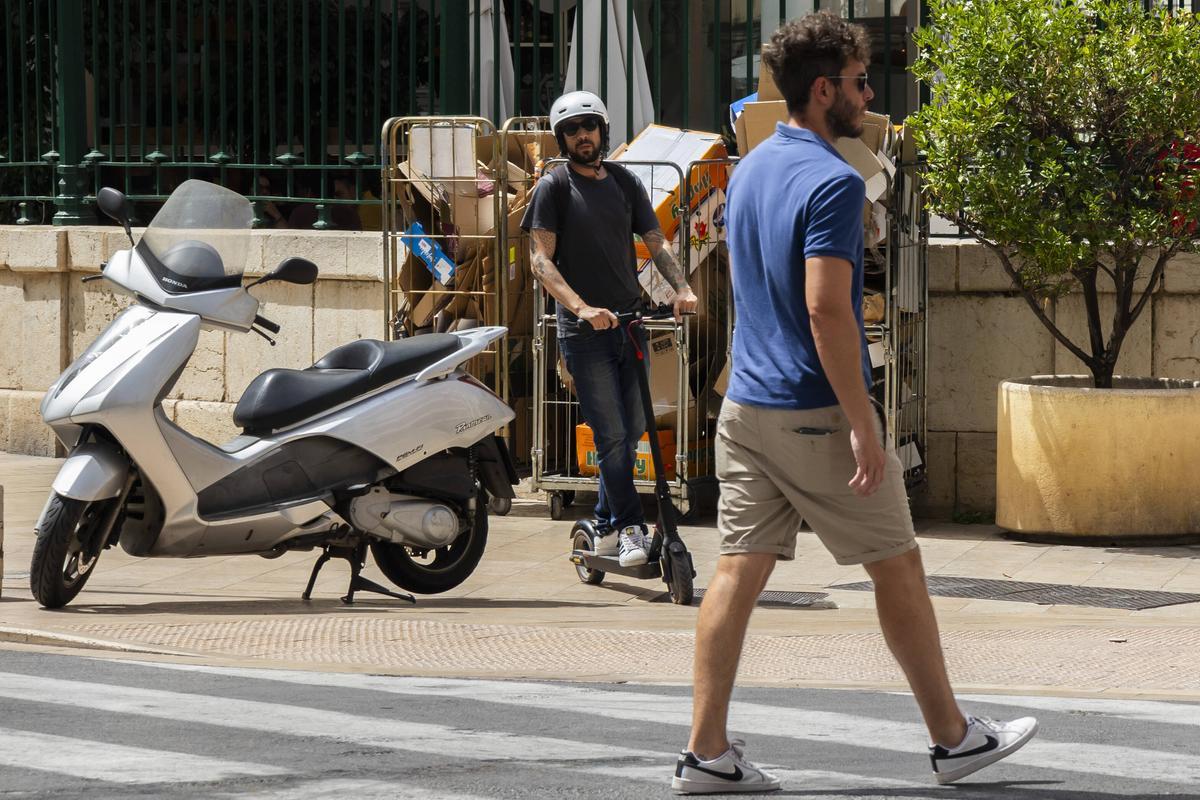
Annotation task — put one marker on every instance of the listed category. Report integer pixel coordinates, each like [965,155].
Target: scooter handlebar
[661,311]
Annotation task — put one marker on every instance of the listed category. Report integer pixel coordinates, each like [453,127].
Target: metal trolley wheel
[558,501]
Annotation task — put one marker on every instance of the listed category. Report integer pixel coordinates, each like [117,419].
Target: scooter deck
[609,564]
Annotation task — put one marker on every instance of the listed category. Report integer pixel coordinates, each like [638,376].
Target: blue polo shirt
[793,197]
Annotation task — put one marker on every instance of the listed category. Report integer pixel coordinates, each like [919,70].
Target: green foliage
[1066,136]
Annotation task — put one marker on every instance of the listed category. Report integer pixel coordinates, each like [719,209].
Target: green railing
[283,100]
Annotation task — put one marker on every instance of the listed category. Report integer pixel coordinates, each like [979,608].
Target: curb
[53,639]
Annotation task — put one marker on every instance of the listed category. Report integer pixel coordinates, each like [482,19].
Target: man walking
[798,437]
[581,220]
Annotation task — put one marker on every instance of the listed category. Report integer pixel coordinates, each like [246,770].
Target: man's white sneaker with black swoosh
[729,772]
[987,741]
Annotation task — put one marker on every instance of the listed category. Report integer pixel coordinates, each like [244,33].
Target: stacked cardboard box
[448,247]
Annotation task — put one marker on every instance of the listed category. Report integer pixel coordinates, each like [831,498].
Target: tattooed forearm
[667,266]
[541,264]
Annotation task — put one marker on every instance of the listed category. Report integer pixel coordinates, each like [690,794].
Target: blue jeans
[604,365]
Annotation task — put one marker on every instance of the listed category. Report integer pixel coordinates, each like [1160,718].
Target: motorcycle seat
[281,397]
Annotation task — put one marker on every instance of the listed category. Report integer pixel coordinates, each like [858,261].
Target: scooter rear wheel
[435,571]
[592,577]
[63,556]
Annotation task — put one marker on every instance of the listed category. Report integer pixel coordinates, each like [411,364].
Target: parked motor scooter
[386,445]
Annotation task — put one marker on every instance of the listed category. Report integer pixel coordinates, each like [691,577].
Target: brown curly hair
[807,48]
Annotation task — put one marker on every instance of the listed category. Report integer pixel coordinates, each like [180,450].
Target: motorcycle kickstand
[357,556]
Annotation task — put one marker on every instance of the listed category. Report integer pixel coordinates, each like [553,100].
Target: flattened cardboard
[757,123]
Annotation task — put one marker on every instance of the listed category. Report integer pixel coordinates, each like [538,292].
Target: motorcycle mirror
[291,270]
[115,204]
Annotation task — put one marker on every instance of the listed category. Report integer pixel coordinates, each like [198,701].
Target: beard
[574,155]
[841,119]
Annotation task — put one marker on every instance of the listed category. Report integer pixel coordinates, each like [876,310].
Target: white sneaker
[729,772]
[987,741]
[606,545]
[632,546]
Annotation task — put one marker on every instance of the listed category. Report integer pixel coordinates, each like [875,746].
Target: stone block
[33,328]
[93,306]
[1071,317]
[1182,275]
[976,472]
[326,249]
[979,269]
[39,248]
[943,266]
[364,255]
[345,311]
[935,498]
[85,248]
[5,232]
[247,355]
[1177,336]
[212,422]
[27,433]
[204,376]
[974,343]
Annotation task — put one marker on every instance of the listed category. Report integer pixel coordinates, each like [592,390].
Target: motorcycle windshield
[199,239]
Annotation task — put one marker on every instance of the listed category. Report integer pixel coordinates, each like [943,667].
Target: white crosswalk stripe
[104,761]
[357,789]
[80,757]
[750,718]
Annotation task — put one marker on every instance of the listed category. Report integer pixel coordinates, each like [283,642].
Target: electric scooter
[387,446]
[668,558]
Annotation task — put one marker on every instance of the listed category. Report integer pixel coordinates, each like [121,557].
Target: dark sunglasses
[860,79]
[571,128]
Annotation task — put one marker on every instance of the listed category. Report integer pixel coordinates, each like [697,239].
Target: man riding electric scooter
[582,219]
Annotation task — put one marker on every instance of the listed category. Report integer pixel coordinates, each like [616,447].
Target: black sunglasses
[571,128]
[860,79]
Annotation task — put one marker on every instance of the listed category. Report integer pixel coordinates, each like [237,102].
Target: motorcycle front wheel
[433,571]
[64,553]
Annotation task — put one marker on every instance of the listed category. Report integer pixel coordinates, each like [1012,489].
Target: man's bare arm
[664,261]
[542,244]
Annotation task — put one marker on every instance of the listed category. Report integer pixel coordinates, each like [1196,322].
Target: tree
[1065,136]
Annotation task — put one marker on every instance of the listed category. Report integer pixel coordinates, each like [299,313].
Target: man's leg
[911,631]
[594,364]
[720,632]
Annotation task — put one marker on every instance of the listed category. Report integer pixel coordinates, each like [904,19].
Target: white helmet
[576,104]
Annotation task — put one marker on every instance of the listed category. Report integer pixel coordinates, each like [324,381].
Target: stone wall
[979,332]
[49,317]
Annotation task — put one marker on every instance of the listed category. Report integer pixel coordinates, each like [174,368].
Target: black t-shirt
[594,246]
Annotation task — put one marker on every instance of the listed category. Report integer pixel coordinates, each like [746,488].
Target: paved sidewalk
[525,614]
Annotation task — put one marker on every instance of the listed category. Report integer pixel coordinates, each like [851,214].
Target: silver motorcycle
[389,446]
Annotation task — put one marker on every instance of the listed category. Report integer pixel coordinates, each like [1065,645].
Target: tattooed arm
[542,247]
[668,267]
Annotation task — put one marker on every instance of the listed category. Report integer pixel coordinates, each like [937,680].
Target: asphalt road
[81,727]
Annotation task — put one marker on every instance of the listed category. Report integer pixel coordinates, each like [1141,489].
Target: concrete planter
[1118,465]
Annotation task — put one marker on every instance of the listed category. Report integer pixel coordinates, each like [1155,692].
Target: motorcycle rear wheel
[435,571]
[61,564]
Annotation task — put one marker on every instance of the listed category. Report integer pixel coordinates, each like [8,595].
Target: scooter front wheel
[435,571]
[678,565]
[64,553]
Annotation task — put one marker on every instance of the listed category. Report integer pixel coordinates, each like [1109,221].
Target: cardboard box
[757,123]
[699,454]
[663,185]
[706,229]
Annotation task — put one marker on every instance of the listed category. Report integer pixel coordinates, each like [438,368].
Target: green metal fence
[283,100]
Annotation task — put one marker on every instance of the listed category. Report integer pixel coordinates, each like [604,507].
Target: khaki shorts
[778,467]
